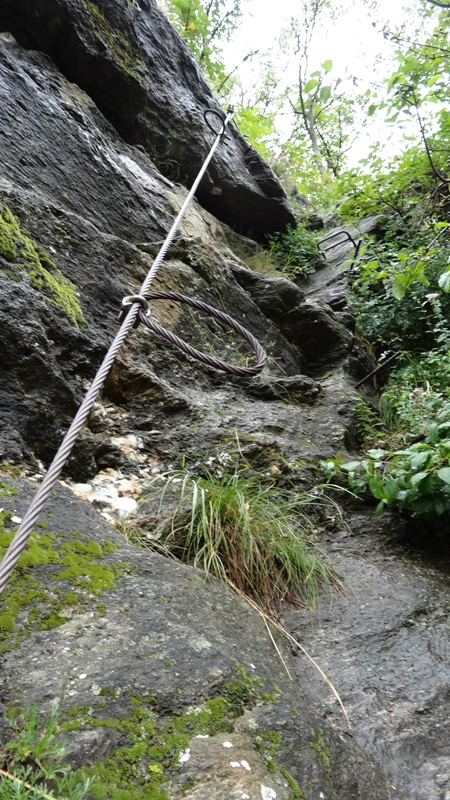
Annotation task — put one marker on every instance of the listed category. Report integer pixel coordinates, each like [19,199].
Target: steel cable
[191,351]
[128,321]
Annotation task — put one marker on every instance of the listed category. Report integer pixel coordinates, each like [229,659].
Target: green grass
[240,528]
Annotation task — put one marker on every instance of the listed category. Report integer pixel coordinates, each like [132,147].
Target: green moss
[49,621]
[321,749]
[113,39]
[150,745]
[10,469]
[26,605]
[28,258]
[6,623]
[8,247]
[296,792]
[188,785]
[268,743]
[7,491]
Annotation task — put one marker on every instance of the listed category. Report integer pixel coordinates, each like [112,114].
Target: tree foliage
[204,24]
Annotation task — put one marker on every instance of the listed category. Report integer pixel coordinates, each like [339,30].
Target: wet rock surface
[98,206]
[387,648]
[136,68]
[164,633]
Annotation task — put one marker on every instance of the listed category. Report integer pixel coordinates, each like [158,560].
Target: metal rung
[347,237]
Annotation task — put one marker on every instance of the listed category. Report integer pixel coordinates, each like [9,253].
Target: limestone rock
[139,72]
[167,642]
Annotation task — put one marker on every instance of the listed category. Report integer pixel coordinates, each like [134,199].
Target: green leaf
[377,488]
[327,65]
[325,94]
[371,110]
[420,459]
[376,454]
[444,474]
[433,433]
[310,85]
[380,507]
[434,78]
[350,466]
[418,478]
[391,488]
[444,281]
[399,286]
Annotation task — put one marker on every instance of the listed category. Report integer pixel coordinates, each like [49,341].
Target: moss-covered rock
[26,258]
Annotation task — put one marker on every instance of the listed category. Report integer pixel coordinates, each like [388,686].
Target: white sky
[354,43]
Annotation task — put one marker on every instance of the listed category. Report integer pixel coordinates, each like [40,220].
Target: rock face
[86,196]
[94,203]
[163,635]
[135,67]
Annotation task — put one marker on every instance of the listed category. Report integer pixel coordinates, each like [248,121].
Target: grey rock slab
[168,635]
[329,283]
[387,649]
[144,79]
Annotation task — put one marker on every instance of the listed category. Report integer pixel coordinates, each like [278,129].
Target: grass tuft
[242,529]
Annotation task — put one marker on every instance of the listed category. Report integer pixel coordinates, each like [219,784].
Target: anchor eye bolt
[129,301]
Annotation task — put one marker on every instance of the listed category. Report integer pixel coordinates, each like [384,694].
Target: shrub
[31,760]
[295,251]
[415,476]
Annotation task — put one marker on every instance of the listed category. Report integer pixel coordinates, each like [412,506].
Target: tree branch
[439,3]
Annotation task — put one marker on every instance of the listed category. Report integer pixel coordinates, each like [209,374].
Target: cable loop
[225,319]
[211,112]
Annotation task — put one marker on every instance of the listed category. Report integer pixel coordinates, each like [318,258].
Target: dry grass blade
[275,646]
[269,620]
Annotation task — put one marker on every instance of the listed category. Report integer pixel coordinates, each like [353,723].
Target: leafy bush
[415,476]
[239,528]
[396,297]
[295,251]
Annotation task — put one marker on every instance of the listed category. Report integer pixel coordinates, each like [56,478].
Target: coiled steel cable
[128,322]
[191,351]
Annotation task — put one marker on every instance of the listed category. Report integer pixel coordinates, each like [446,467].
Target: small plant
[295,251]
[415,478]
[31,761]
[238,527]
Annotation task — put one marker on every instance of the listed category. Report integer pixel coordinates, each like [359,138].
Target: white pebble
[125,506]
[267,793]
[184,755]
[227,744]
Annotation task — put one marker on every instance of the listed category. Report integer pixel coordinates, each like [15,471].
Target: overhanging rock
[143,78]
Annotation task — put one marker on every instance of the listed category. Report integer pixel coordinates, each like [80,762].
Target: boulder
[148,653]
